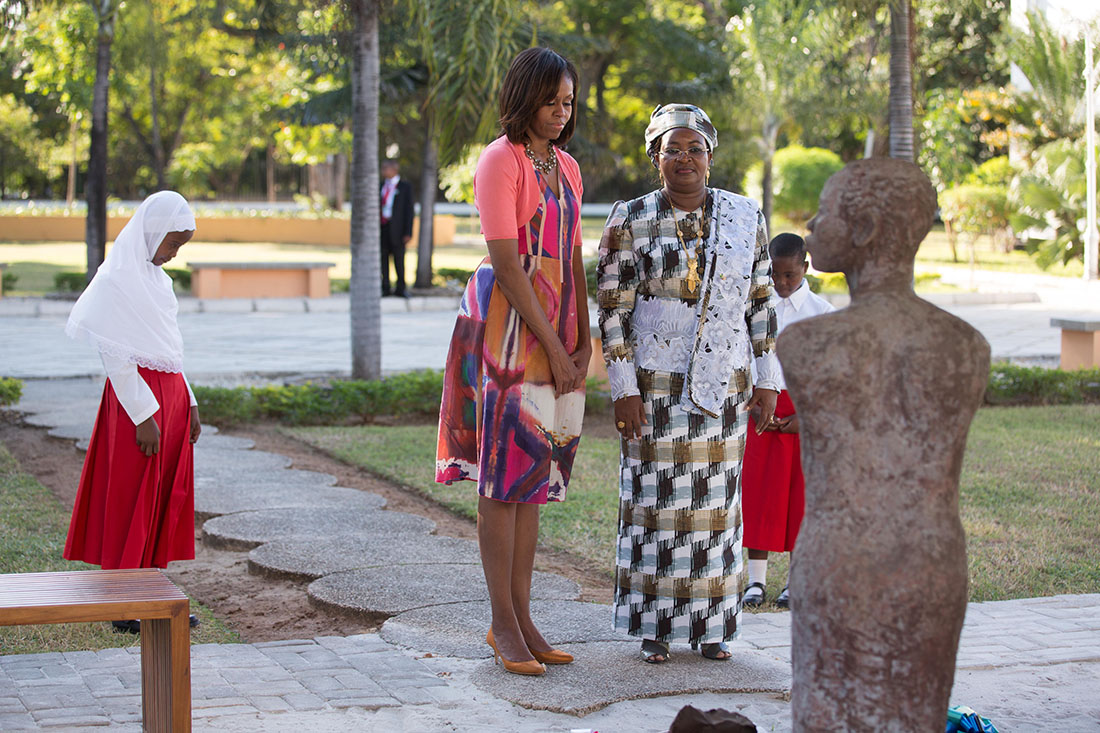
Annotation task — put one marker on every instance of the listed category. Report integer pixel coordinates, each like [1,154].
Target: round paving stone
[69,416]
[210,442]
[310,559]
[213,501]
[458,629]
[609,672]
[216,478]
[246,530]
[238,463]
[76,431]
[400,588]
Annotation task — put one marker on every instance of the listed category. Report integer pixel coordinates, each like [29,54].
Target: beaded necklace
[547,167]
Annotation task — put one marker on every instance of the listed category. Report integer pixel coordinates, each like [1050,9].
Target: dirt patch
[256,607]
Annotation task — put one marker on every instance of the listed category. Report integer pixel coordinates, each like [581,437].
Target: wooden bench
[1080,342]
[260,279]
[108,595]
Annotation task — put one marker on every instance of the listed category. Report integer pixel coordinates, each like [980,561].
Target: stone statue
[885,391]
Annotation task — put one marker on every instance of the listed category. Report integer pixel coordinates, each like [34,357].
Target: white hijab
[129,309]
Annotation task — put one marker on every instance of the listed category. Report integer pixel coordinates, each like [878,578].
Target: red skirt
[773,492]
[134,511]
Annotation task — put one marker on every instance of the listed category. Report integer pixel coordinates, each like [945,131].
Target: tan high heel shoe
[554,656]
[530,667]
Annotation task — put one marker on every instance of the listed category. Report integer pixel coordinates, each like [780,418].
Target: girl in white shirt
[135,504]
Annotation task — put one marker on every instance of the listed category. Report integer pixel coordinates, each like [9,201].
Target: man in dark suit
[397,223]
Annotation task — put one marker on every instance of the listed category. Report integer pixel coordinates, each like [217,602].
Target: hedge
[341,401]
[418,394]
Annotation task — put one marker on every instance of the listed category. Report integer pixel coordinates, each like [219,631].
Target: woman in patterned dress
[513,396]
[686,299]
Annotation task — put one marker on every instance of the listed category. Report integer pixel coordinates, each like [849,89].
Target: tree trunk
[95,189]
[154,133]
[70,188]
[339,181]
[768,142]
[270,174]
[366,285]
[901,82]
[429,184]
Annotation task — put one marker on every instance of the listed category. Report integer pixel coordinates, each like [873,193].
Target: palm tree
[95,189]
[466,46]
[901,80]
[365,287]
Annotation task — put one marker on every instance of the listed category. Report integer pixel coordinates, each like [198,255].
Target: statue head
[876,210]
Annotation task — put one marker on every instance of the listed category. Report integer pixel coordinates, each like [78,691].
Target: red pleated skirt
[773,492]
[134,511]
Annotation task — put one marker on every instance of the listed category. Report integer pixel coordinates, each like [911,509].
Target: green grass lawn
[33,525]
[935,253]
[1030,495]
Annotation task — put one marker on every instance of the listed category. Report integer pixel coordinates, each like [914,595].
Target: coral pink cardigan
[506,191]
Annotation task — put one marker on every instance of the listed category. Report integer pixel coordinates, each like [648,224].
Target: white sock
[758,572]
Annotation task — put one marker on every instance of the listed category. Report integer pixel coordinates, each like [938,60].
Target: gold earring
[706,179]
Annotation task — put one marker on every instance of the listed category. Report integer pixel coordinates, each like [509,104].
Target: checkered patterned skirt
[678,568]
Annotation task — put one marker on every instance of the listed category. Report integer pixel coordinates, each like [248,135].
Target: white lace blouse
[650,317]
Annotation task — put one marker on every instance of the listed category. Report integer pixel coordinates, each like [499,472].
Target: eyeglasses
[694,151]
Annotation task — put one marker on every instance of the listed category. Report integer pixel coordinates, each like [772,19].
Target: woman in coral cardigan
[513,397]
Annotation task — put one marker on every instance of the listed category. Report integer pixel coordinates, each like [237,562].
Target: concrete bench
[1080,342]
[260,279]
[108,595]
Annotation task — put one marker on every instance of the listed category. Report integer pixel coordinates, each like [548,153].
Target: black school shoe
[753,596]
[784,599]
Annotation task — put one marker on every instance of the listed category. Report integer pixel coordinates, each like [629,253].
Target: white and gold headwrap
[674,116]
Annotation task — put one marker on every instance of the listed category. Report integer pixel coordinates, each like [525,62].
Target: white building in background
[1072,18]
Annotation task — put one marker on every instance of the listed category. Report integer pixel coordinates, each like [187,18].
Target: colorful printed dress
[683,344]
[500,423]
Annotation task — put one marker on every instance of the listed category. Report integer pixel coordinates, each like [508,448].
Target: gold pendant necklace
[692,257]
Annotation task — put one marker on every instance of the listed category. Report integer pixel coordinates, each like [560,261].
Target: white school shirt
[132,392]
[803,303]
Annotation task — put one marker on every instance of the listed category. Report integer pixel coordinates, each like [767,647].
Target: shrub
[339,285]
[994,172]
[799,174]
[11,389]
[455,274]
[69,282]
[1018,385]
[8,280]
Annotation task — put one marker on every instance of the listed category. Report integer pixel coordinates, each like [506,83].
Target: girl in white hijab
[135,504]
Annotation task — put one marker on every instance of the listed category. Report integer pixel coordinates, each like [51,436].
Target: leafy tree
[466,47]
[946,140]
[769,60]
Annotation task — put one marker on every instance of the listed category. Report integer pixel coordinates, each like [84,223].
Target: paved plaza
[1028,664]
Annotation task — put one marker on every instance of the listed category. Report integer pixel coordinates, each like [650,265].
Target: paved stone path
[1026,664]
